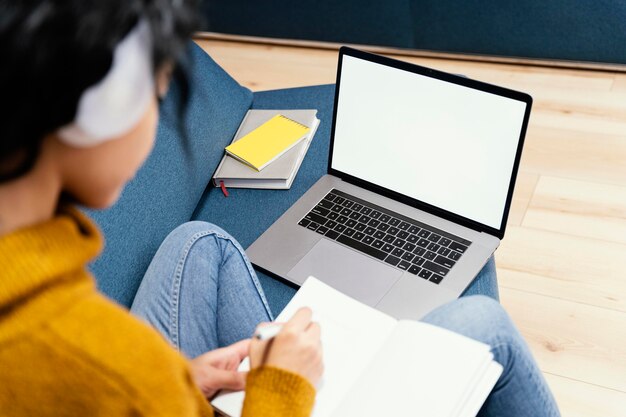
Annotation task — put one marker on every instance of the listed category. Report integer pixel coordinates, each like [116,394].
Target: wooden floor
[562,264]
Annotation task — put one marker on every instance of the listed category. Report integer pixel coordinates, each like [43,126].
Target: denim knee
[187,231]
[477,316]
[489,318]
[493,326]
[484,307]
[486,282]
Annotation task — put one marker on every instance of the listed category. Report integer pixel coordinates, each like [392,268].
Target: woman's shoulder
[113,358]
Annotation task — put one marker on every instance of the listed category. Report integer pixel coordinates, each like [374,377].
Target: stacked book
[267,150]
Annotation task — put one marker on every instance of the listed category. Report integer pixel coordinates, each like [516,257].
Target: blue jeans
[201,293]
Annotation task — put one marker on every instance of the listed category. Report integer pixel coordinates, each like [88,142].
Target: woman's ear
[163,79]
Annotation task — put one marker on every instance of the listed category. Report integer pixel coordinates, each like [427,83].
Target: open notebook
[378,366]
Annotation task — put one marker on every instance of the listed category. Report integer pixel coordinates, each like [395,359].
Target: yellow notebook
[267,142]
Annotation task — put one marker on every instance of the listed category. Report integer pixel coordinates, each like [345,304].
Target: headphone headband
[117,103]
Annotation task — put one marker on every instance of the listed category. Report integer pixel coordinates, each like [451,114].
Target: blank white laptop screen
[441,143]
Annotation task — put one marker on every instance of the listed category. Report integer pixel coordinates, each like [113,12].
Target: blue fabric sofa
[171,188]
[574,30]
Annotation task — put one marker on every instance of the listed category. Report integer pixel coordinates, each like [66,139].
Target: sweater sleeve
[274,392]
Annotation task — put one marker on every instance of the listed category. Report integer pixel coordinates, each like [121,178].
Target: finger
[237,350]
[300,321]
[230,357]
[240,349]
[314,330]
[313,334]
[269,323]
[264,324]
[231,380]
[259,349]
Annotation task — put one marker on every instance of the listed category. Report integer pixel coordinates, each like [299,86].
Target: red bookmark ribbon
[224,190]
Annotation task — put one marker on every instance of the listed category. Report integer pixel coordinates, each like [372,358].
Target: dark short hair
[53,50]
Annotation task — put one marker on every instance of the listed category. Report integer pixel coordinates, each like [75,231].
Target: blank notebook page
[421,370]
[352,333]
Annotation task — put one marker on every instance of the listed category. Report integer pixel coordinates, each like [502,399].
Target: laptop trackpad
[346,270]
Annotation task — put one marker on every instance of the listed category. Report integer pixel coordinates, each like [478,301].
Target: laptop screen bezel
[451,78]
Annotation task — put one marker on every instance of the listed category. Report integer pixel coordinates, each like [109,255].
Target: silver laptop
[421,173]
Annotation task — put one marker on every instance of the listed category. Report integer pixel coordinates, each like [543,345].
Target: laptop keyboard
[404,243]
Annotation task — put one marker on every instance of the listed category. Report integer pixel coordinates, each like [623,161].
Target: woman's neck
[29,200]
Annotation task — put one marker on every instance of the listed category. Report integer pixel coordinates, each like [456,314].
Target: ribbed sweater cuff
[274,392]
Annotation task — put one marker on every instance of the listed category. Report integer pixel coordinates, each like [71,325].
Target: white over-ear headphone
[117,103]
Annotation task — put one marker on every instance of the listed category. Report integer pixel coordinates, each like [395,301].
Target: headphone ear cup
[117,103]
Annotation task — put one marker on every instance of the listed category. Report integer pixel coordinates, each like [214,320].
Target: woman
[80,82]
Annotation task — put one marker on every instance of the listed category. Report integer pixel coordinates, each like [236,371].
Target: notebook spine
[293,121]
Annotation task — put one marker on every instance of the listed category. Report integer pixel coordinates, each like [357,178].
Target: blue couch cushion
[246,214]
[168,187]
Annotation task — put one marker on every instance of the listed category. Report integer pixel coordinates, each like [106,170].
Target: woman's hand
[297,348]
[217,369]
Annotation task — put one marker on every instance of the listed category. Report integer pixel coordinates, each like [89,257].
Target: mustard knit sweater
[65,350]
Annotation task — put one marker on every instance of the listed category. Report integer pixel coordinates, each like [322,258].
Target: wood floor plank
[579,208]
[524,188]
[565,152]
[555,118]
[266,67]
[523,78]
[620,84]
[570,339]
[606,104]
[236,58]
[563,266]
[594,112]
[529,79]
[578,399]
